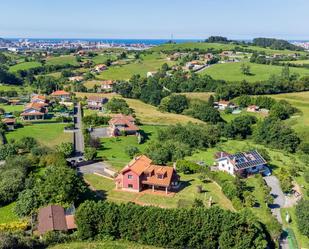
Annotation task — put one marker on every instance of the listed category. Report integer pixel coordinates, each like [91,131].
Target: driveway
[100,132]
[279,197]
[279,202]
[96,167]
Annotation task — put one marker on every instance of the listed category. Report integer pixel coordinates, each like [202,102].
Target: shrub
[187,167]
[302,215]
[131,151]
[169,228]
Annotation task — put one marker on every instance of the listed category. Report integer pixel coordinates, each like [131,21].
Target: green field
[232,72]
[113,150]
[25,66]
[299,62]
[116,244]
[146,113]
[217,46]
[187,194]
[7,213]
[62,60]
[300,122]
[148,63]
[19,89]
[48,134]
[102,58]
[12,108]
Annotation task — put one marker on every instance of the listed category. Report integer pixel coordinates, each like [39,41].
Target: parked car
[266,172]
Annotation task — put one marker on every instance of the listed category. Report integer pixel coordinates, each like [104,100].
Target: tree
[66,148]
[211,100]
[27,143]
[203,111]
[90,153]
[131,151]
[27,202]
[174,103]
[240,126]
[302,217]
[60,185]
[198,203]
[285,74]
[116,105]
[245,69]
[7,150]
[275,134]
[249,199]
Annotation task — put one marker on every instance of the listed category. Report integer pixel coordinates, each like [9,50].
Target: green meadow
[217,46]
[62,60]
[147,63]
[48,134]
[25,66]
[231,71]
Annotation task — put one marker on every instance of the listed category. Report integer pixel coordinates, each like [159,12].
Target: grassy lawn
[198,95]
[116,244]
[187,194]
[7,214]
[48,134]
[299,62]
[146,113]
[12,108]
[229,117]
[62,60]
[148,63]
[149,114]
[25,66]
[218,46]
[113,150]
[232,72]
[19,89]
[102,58]
[299,122]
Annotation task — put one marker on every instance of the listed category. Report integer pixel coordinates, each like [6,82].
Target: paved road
[279,202]
[79,145]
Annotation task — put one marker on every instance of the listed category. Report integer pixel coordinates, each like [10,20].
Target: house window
[130,177]
[130,185]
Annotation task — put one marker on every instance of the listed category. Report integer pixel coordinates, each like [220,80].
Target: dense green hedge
[170,228]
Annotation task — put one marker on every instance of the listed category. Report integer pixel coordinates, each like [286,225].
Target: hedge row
[169,228]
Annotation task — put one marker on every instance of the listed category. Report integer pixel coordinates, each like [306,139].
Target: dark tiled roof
[243,160]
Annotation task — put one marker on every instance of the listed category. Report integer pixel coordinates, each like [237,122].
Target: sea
[110,41]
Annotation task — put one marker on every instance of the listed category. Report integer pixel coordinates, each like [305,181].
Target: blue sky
[287,19]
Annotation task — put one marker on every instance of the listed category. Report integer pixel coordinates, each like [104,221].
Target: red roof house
[123,123]
[34,111]
[61,94]
[141,174]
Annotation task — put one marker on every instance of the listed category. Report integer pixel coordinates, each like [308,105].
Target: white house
[151,74]
[241,163]
[222,105]
[96,102]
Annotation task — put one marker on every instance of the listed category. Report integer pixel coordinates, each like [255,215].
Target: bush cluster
[169,228]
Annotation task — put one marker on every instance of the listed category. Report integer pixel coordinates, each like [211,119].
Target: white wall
[226,166]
